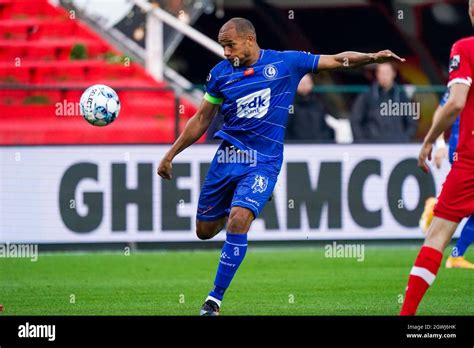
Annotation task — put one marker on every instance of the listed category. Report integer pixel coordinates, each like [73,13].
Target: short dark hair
[242,26]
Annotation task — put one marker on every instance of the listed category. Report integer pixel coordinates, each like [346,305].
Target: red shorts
[456,199]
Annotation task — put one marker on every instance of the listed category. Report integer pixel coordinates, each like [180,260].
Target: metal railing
[155,19]
[426,95]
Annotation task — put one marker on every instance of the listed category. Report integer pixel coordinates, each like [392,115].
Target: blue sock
[466,238]
[233,252]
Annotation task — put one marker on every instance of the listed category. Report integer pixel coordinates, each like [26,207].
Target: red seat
[110,72]
[13,53]
[12,97]
[52,75]
[40,38]
[14,30]
[14,74]
[27,8]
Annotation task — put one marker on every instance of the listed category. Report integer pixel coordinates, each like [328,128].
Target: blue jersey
[454,138]
[256,99]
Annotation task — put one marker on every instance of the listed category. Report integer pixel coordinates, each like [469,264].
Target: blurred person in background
[368,121]
[308,120]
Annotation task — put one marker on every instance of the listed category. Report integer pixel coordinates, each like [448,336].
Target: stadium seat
[11,74]
[39,40]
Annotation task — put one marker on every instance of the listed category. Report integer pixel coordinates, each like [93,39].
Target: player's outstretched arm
[350,59]
[195,128]
[443,119]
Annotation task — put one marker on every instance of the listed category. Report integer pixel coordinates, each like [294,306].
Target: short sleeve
[460,70]
[303,62]
[213,95]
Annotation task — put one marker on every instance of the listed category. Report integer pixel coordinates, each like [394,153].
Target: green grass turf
[176,283]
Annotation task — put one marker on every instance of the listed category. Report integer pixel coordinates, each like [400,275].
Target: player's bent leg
[240,220]
[440,233]
[427,263]
[208,229]
[232,255]
[251,193]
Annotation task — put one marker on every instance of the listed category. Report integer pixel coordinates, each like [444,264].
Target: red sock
[422,276]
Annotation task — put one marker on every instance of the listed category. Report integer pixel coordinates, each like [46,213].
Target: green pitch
[270,282]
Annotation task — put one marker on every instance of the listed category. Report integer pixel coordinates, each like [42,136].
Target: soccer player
[254,88]
[456,199]
[456,259]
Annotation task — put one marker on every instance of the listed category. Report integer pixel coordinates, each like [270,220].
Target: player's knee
[436,239]
[239,220]
[439,234]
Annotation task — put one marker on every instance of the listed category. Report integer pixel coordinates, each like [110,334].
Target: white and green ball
[100,105]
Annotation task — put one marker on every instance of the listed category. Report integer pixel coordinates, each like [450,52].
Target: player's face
[237,49]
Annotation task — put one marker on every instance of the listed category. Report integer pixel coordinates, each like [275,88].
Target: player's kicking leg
[232,255]
[427,263]
[251,188]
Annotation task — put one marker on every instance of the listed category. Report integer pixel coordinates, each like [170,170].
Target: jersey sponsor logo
[270,71]
[260,184]
[249,71]
[254,105]
[454,63]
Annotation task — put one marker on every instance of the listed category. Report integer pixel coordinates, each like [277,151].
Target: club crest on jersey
[260,184]
[270,71]
[454,63]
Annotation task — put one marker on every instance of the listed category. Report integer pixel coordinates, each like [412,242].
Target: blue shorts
[228,184]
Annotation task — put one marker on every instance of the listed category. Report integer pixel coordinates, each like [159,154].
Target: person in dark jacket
[384,114]
[308,119]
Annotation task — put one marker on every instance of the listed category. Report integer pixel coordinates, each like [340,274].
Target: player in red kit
[456,199]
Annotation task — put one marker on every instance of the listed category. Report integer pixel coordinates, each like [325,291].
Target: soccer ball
[100,105]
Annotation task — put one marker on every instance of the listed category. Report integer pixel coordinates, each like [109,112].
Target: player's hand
[440,154]
[425,154]
[165,169]
[387,56]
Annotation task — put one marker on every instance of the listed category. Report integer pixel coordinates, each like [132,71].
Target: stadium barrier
[95,194]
